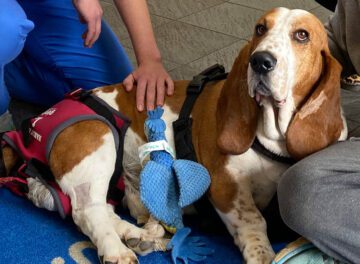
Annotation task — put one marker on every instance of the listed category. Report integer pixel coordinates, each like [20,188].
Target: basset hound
[283,90]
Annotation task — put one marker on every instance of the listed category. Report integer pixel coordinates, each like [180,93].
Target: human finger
[140,95]
[97,32]
[160,92]
[150,95]
[90,32]
[169,86]
[129,82]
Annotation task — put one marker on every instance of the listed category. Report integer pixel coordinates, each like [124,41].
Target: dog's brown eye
[301,35]
[260,30]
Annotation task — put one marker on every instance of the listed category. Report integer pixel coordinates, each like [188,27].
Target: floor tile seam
[224,47]
[229,35]
[316,8]
[244,5]
[177,19]
[212,51]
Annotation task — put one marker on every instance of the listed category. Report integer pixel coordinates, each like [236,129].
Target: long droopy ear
[319,122]
[237,111]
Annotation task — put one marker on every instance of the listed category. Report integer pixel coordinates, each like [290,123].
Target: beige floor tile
[225,57]
[322,13]
[226,18]
[268,4]
[175,9]
[182,43]
[112,17]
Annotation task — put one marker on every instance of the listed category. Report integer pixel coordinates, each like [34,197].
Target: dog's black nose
[262,62]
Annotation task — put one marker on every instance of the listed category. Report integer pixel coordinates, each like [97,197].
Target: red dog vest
[35,144]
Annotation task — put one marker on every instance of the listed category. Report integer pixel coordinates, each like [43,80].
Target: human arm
[151,77]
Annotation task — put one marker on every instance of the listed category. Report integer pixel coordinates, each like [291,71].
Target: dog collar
[267,153]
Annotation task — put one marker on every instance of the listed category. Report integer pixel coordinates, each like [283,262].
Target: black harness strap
[25,125]
[267,153]
[183,138]
[182,126]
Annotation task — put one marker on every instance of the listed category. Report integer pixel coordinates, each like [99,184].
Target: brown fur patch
[108,89]
[127,106]
[10,159]
[223,191]
[74,143]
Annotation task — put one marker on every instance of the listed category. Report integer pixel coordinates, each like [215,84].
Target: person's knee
[13,30]
[294,190]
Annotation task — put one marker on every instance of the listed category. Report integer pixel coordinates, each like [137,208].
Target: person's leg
[319,198]
[342,29]
[13,31]
[54,60]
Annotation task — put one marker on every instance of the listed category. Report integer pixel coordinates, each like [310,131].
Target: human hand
[152,81]
[90,13]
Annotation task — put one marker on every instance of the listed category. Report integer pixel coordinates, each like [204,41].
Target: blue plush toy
[167,185]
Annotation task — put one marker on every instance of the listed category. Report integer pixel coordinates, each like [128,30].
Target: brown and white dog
[284,89]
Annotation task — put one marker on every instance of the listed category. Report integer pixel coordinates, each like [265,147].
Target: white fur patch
[262,173]
[344,132]
[278,43]
[109,98]
[40,195]
[313,105]
[169,117]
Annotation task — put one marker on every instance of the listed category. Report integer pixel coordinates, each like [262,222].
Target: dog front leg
[247,226]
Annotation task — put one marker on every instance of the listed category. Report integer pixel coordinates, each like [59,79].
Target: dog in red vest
[36,173]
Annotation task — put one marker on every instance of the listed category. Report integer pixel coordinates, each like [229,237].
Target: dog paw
[127,257]
[144,245]
[154,229]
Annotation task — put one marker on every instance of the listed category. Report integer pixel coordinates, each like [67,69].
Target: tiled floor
[194,34]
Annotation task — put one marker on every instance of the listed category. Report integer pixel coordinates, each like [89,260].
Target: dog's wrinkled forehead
[280,24]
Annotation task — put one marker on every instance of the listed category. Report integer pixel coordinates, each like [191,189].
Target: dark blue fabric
[32,235]
[53,60]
